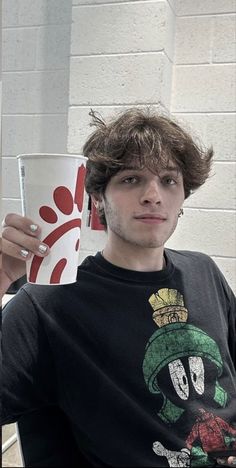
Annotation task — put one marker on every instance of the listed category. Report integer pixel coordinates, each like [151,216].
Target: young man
[140,352]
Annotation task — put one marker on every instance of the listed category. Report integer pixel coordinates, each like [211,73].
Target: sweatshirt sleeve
[28,374]
[231,307]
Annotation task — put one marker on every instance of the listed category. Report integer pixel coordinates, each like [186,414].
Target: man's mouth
[150,218]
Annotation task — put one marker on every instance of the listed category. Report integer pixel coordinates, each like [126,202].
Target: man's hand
[20,240]
[231,461]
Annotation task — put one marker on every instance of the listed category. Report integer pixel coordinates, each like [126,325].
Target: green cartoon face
[179,358]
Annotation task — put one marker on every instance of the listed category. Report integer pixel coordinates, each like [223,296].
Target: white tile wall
[11,205]
[10,179]
[204,88]
[47,92]
[136,27]
[35,83]
[224,39]
[219,190]
[36,12]
[53,47]
[189,48]
[228,268]
[206,230]
[217,129]
[205,39]
[200,7]
[120,79]
[18,49]
[95,2]
[33,133]
[17,131]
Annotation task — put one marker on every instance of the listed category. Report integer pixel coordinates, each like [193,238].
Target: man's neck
[135,258]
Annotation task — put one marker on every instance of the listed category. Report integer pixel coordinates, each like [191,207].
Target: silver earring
[181,212]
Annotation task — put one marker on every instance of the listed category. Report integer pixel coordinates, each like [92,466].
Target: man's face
[141,207]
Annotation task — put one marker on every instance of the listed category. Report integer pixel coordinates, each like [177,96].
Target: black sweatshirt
[141,363]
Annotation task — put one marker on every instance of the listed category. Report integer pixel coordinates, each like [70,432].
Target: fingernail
[33,227]
[24,253]
[42,248]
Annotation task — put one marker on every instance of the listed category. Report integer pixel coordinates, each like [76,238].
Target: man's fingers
[231,461]
[21,223]
[20,245]
[14,250]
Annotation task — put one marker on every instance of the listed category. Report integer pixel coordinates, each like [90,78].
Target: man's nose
[151,193]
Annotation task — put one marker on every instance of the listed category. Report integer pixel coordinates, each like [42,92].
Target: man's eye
[130,180]
[169,181]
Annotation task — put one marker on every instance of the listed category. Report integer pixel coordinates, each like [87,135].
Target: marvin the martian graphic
[183,366]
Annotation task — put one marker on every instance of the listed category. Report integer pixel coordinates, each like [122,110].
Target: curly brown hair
[148,139]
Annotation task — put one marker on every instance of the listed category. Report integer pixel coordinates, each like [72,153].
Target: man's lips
[151,218]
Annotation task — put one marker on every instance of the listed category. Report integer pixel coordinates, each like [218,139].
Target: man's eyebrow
[161,169]
[131,168]
[170,168]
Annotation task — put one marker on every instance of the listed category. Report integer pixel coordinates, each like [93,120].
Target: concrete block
[11,206]
[10,178]
[95,2]
[53,47]
[48,92]
[120,28]
[221,134]
[18,49]
[35,12]
[193,7]
[132,79]
[228,268]
[172,4]
[9,13]
[50,133]
[12,457]
[17,134]
[218,192]
[33,133]
[217,130]
[207,231]
[8,431]
[170,31]
[203,88]
[224,39]
[193,40]
[193,124]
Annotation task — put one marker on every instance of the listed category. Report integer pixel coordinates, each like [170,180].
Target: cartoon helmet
[176,339]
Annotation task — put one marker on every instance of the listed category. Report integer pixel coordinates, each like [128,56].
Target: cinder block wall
[203,99]
[36,54]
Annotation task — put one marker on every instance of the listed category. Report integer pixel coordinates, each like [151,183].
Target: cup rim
[51,155]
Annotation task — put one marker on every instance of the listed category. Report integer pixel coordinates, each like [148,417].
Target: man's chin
[148,243]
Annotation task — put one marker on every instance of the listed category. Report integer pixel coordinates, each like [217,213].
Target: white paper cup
[52,192]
